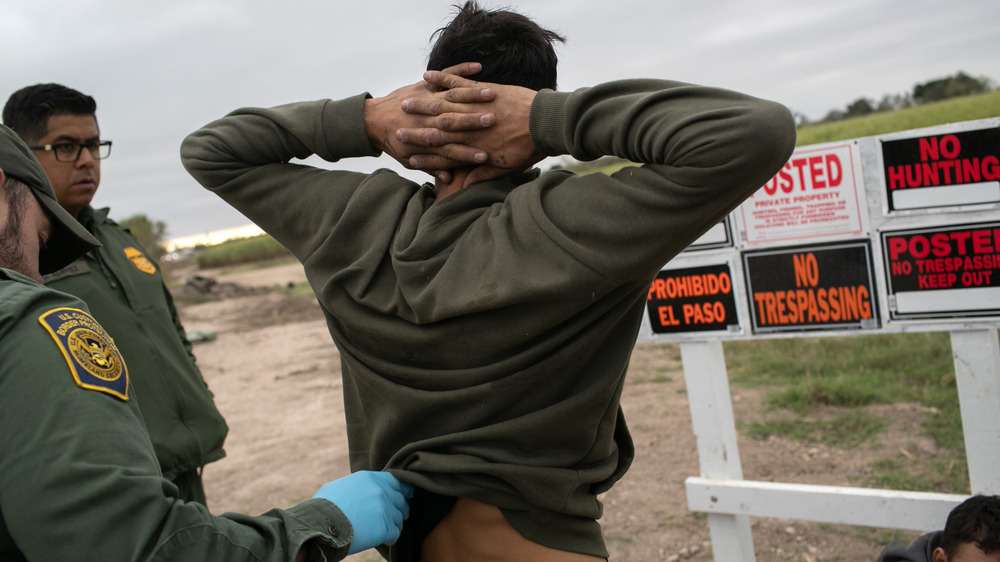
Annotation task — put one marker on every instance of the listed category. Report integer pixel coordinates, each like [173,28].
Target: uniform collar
[89,217]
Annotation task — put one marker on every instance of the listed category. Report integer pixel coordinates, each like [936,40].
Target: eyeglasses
[71,151]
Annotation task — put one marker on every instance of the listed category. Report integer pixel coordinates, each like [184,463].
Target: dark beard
[11,250]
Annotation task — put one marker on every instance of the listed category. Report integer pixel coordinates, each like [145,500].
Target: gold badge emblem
[139,260]
[93,359]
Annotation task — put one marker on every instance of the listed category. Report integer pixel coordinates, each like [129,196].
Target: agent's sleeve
[703,151]
[244,158]
[78,475]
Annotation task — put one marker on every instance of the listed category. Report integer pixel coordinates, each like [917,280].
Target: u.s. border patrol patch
[139,260]
[93,359]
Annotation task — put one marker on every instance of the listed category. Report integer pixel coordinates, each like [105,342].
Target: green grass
[664,359]
[968,108]
[951,476]
[844,431]
[256,264]
[241,251]
[914,363]
[652,374]
[804,374]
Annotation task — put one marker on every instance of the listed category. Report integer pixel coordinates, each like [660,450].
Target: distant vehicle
[181,254]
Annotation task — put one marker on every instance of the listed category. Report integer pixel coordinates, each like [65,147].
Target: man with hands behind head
[485,321]
[79,479]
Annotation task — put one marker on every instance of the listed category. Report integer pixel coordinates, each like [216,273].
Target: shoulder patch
[139,260]
[93,359]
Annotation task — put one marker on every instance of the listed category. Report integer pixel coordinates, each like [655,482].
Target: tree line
[960,84]
[150,234]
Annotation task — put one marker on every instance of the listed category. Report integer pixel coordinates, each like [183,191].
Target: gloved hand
[374,503]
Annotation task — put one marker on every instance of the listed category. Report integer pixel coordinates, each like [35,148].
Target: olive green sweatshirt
[485,338]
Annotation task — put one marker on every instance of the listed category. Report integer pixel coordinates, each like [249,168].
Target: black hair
[28,110]
[975,520]
[512,49]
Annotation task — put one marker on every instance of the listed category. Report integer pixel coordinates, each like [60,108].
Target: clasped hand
[448,121]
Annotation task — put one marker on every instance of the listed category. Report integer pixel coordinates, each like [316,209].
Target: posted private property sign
[815,195]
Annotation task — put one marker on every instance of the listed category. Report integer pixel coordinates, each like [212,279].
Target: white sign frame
[720,491]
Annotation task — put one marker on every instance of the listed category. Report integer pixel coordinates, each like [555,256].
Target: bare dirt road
[276,378]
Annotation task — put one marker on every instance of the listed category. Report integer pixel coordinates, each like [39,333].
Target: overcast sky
[160,70]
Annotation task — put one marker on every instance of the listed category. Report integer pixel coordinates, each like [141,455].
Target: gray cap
[69,239]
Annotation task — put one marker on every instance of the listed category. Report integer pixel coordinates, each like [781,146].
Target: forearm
[244,158]
[702,151]
[253,137]
[707,135]
[296,534]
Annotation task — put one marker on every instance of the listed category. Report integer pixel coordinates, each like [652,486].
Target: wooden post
[977,374]
[715,432]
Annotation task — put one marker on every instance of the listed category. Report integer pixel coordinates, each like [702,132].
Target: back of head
[976,520]
[28,110]
[512,49]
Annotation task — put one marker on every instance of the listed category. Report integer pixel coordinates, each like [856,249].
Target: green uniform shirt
[125,292]
[485,338]
[78,477]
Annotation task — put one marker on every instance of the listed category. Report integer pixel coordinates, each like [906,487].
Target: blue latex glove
[374,503]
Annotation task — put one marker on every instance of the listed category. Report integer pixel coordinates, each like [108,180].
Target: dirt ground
[276,378]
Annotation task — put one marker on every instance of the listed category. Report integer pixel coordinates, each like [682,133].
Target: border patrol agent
[122,286]
[78,475]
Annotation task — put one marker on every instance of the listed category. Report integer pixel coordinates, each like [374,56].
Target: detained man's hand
[507,142]
[383,116]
